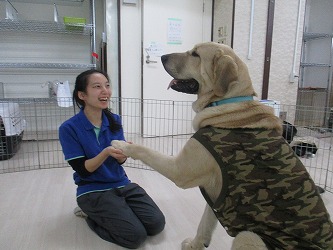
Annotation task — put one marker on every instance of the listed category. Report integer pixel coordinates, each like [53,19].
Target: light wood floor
[36,213]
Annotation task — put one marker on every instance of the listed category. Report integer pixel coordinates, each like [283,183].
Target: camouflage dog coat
[266,190]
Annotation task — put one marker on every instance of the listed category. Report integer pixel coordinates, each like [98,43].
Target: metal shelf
[47,65]
[315,65]
[42,27]
[58,2]
[45,27]
[310,36]
[324,68]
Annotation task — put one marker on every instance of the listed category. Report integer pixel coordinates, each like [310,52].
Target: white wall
[111,26]
[241,38]
[131,50]
[283,47]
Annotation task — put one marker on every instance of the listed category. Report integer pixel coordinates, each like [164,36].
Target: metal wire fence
[29,132]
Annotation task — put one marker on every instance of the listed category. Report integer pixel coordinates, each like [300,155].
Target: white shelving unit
[316,73]
[41,27]
[325,64]
[39,50]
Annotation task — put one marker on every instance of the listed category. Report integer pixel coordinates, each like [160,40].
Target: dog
[253,182]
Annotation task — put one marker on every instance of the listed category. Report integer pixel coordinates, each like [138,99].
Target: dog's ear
[225,72]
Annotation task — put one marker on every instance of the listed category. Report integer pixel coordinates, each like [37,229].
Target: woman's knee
[133,241]
[131,238]
[139,235]
[156,225]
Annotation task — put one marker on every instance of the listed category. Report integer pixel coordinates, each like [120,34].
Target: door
[181,25]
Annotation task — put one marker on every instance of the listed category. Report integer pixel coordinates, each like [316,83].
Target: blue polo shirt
[78,139]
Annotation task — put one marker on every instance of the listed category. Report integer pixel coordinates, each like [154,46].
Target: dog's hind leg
[204,233]
[248,241]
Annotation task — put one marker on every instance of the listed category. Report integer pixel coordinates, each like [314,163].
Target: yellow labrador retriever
[254,184]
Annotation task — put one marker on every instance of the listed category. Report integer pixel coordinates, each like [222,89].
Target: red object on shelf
[94,54]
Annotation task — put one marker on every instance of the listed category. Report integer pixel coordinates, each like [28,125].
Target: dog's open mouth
[189,86]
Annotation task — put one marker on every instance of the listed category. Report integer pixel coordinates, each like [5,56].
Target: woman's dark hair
[81,84]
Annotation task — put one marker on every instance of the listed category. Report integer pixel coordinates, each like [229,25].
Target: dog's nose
[164,59]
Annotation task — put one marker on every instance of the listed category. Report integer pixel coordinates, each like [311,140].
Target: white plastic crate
[12,127]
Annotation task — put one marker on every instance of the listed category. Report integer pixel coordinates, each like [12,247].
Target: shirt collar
[88,125]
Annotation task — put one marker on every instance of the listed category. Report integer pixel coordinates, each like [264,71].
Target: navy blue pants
[124,216]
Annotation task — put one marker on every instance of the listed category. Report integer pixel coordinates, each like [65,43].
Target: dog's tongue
[185,86]
[173,81]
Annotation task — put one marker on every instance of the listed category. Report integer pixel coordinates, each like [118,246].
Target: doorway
[181,25]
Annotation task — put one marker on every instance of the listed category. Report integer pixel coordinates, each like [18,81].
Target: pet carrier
[11,129]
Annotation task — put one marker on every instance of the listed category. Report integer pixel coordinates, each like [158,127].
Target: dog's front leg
[185,169]
[204,233]
[164,164]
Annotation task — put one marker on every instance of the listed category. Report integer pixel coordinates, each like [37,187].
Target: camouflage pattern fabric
[266,190]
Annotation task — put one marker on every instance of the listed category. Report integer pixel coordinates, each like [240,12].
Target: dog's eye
[195,54]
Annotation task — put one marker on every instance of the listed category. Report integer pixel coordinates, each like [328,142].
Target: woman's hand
[92,164]
[116,153]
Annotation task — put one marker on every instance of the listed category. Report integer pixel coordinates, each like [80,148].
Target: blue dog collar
[231,100]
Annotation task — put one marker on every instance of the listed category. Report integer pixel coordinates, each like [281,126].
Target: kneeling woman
[116,209]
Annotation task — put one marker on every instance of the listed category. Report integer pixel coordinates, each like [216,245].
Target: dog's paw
[122,145]
[187,244]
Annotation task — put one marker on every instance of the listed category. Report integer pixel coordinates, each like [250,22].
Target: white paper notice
[174,31]
[155,49]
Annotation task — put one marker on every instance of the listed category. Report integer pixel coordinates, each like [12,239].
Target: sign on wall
[174,31]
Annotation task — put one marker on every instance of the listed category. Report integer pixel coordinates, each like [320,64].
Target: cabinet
[35,52]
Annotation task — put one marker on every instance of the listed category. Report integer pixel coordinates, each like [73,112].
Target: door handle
[148,57]
[148,60]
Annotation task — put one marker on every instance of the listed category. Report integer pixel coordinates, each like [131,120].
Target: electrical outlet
[222,40]
[221,31]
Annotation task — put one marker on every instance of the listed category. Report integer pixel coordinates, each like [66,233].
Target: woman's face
[98,92]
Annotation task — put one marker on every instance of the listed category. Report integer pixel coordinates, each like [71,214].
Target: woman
[116,209]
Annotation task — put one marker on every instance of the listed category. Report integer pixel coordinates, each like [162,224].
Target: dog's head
[211,70]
